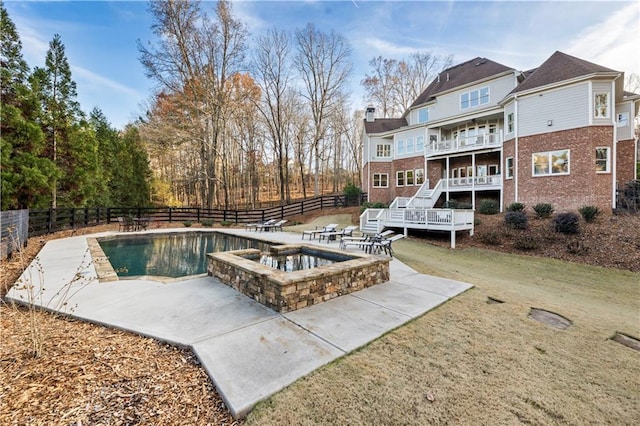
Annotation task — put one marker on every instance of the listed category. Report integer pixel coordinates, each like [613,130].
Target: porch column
[473,180]
[447,180]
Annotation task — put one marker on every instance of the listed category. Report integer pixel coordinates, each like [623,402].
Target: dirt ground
[466,362]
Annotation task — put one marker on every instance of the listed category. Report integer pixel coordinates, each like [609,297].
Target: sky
[100,37]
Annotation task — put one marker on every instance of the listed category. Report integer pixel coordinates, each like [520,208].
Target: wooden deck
[452,220]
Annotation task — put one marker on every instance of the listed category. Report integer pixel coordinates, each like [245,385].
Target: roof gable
[460,75]
[559,67]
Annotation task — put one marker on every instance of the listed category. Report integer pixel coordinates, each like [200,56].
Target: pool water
[170,255]
[294,262]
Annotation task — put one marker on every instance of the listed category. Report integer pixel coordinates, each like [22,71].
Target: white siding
[509,109]
[566,108]
[413,133]
[625,132]
[448,105]
[370,153]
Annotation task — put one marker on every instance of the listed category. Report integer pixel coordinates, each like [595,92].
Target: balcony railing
[468,143]
[479,182]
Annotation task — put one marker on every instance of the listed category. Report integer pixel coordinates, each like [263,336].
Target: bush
[543,210]
[489,206]
[207,222]
[490,237]
[589,213]
[577,247]
[525,242]
[226,223]
[352,194]
[567,223]
[516,219]
[515,207]
[455,204]
[476,221]
[369,205]
[187,223]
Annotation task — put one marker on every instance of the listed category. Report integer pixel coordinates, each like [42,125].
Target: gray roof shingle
[381,125]
[559,67]
[459,75]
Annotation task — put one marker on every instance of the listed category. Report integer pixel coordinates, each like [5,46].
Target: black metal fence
[51,220]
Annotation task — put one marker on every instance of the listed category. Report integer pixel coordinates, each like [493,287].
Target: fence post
[169,214]
[73,218]
[302,207]
[49,224]
[198,213]
[236,217]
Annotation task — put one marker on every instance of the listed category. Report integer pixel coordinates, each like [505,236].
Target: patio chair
[125,224]
[313,232]
[347,231]
[350,240]
[385,244]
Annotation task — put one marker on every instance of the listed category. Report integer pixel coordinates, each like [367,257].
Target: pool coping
[249,351]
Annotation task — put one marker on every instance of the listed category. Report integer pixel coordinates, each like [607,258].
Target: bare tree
[323,61]
[394,85]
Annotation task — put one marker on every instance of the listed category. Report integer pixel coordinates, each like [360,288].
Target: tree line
[52,153]
[235,121]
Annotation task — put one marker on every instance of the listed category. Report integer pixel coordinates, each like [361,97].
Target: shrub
[368,205]
[489,206]
[187,223]
[516,219]
[490,237]
[226,223]
[589,213]
[352,194]
[543,210]
[455,204]
[567,223]
[515,207]
[207,222]
[476,221]
[525,242]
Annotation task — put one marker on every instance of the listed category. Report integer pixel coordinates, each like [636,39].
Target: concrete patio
[249,351]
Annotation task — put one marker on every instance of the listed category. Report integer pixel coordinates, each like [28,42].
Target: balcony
[479,183]
[462,144]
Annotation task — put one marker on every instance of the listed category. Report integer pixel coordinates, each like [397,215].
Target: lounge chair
[358,241]
[125,224]
[313,232]
[254,226]
[347,231]
[272,226]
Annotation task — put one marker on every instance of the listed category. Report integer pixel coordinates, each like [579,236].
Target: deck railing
[468,143]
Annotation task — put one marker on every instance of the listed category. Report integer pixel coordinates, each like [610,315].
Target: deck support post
[453,238]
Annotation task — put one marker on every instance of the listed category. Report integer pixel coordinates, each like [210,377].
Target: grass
[473,362]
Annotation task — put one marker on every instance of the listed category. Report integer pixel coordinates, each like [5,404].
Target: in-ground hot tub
[285,291]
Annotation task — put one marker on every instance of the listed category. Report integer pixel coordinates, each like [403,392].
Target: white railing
[478,181]
[399,202]
[439,218]
[370,216]
[466,143]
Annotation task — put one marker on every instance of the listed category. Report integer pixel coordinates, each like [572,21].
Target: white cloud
[613,43]
[91,78]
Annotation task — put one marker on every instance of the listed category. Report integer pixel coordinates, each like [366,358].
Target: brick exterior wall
[387,195]
[582,186]
[625,162]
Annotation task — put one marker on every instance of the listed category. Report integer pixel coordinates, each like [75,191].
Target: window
[601,104]
[420,144]
[400,147]
[423,115]
[493,169]
[509,168]
[551,163]
[602,160]
[409,176]
[510,122]
[383,150]
[409,145]
[399,178]
[419,176]
[380,180]
[474,98]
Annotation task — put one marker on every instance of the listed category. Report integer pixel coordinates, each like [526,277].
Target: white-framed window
[409,178]
[423,115]
[420,144]
[493,169]
[550,163]
[601,105]
[509,168]
[383,150]
[409,147]
[400,147]
[380,180]
[510,122]
[474,98]
[603,159]
[419,176]
[400,178]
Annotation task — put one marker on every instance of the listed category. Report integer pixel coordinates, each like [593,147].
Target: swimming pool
[171,255]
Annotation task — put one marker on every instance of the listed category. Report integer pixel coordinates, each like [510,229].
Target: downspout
[516,159]
[614,154]
[368,150]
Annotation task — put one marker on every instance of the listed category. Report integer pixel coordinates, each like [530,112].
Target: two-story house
[562,133]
